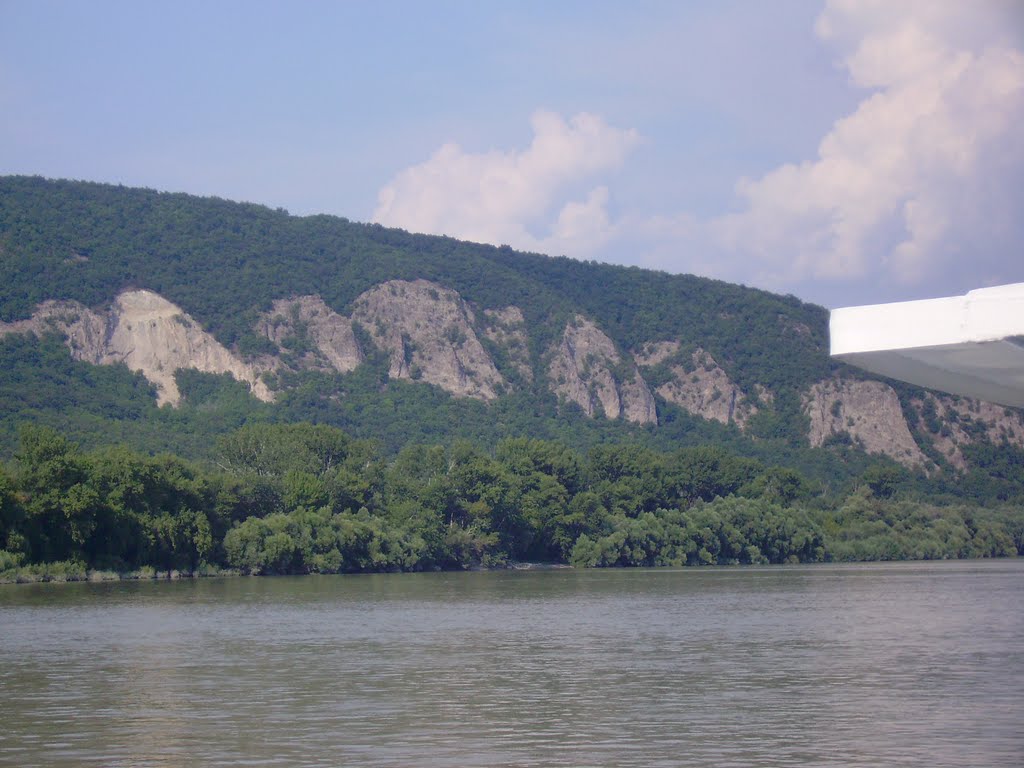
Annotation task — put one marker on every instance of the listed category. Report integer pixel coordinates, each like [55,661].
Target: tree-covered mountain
[225,263]
[114,300]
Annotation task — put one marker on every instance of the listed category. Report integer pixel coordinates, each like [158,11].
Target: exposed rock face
[955,422]
[699,386]
[507,328]
[84,330]
[587,369]
[308,318]
[148,334]
[428,332]
[868,411]
[655,352]
[637,402]
[764,394]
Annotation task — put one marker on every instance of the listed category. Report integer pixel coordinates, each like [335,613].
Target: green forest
[302,498]
[359,471]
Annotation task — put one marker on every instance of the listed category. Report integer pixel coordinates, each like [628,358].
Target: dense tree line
[307,498]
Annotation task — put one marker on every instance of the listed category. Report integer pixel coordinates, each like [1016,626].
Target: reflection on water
[900,664]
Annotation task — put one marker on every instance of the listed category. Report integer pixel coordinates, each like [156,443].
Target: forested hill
[225,263]
[113,300]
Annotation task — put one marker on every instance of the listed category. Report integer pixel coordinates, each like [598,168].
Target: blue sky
[846,152]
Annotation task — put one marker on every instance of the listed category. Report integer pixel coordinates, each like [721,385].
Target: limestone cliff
[655,353]
[955,422]
[145,332]
[428,332]
[868,412]
[84,330]
[696,383]
[586,368]
[319,336]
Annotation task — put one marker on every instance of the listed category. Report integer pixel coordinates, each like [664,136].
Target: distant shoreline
[64,573]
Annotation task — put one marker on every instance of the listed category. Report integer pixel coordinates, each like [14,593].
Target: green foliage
[274,450]
[307,541]
[303,498]
[884,479]
[784,419]
[868,528]
[726,531]
[996,471]
[41,378]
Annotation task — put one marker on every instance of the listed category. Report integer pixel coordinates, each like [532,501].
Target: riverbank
[74,572]
[70,572]
[67,572]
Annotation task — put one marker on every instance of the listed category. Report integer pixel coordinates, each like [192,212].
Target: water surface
[897,664]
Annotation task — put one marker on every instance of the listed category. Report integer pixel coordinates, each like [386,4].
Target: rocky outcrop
[764,394]
[428,332]
[636,401]
[951,423]
[655,353]
[319,336]
[587,369]
[145,332]
[507,328]
[697,384]
[84,330]
[867,413]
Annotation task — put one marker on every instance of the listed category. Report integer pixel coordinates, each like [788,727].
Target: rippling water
[901,664]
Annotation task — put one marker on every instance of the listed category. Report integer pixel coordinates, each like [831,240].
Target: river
[874,664]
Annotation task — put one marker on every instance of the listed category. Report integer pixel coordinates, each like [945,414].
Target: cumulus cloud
[917,177]
[914,192]
[515,197]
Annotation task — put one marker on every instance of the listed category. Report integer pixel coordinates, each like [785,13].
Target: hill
[116,301]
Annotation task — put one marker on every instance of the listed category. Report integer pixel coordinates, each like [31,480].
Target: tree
[60,505]
[12,516]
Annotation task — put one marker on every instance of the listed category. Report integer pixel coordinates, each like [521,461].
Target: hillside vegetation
[308,499]
[226,262]
[239,317]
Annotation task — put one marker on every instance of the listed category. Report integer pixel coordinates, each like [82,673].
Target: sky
[844,152]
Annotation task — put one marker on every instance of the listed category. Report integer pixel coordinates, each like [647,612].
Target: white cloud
[897,187]
[914,191]
[504,196]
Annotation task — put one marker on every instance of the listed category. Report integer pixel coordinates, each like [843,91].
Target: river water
[896,664]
